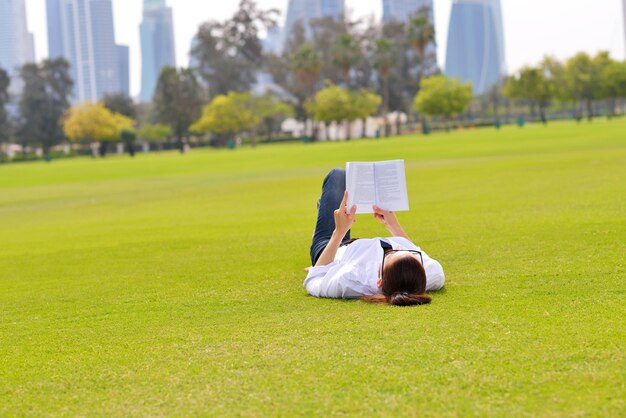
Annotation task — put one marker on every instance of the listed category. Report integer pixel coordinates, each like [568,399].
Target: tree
[531,84]
[228,115]
[346,54]
[363,104]
[584,78]
[120,103]
[443,96]
[155,133]
[229,53]
[5,127]
[128,137]
[331,104]
[421,34]
[177,101]
[272,112]
[45,97]
[384,58]
[92,122]
[613,84]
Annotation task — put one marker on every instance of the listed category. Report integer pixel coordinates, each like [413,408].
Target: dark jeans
[332,194]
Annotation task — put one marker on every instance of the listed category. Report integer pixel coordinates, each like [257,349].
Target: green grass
[172,285]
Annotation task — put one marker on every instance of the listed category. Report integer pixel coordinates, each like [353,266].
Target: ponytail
[399,299]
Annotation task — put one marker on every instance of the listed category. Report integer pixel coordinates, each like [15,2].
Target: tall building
[157,44]
[306,10]
[476,43]
[401,10]
[16,43]
[82,32]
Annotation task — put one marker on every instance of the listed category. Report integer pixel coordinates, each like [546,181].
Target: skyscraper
[16,43]
[306,10]
[401,10]
[476,43]
[157,44]
[82,32]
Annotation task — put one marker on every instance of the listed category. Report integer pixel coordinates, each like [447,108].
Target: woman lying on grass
[390,271]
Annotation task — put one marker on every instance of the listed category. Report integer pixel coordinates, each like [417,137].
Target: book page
[391,193]
[361,187]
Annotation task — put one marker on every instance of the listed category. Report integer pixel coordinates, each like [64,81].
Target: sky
[533,28]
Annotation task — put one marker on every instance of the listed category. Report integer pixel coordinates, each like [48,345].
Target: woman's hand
[388,218]
[343,218]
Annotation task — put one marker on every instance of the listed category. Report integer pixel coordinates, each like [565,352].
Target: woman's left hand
[343,218]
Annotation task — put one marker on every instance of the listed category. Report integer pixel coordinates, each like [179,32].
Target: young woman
[381,270]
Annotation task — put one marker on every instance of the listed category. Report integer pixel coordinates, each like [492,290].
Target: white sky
[533,28]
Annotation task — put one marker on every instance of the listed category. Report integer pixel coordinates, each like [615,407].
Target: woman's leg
[332,194]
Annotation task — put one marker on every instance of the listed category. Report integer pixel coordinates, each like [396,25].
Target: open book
[381,183]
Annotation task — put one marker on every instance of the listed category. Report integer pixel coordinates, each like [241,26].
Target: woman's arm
[343,223]
[390,221]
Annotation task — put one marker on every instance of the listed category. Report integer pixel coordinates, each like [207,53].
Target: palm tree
[420,34]
[306,66]
[384,58]
[345,53]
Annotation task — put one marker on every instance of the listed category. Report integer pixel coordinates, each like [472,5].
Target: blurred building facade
[17,46]
[157,44]
[306,10]
[401,10]
[475,50]
[82,32]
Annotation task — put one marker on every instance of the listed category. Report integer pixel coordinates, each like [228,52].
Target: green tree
[363,104]
[177,101]
[228,115]
[45,97]
[272,112]
[584,78]
[228,54]
[613,84]
[443,96]
[120,103]
[157,133]
[531,84]
[128,137]
[5,126]
[331,104]
[384,57]
[93,122]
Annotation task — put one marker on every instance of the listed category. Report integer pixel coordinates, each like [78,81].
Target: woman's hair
[404,283]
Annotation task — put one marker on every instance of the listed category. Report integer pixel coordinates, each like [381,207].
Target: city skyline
[524,46]
[17,46]
[475,50]
[82,32]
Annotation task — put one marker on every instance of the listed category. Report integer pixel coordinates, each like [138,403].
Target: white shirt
[354,271]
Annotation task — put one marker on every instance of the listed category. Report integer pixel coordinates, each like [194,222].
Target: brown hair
[404,283]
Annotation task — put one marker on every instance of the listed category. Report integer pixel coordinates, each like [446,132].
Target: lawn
[172,285]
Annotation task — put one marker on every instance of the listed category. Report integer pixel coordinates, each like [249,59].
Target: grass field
[172,285]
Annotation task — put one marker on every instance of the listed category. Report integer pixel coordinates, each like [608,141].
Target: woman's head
[402,280]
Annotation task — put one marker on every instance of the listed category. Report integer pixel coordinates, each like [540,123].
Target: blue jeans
[332,193]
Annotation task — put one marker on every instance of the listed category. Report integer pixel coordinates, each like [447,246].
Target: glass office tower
[16,43]
[82,32]
[157,44]
[400,10]
[476,43]
[306,10]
